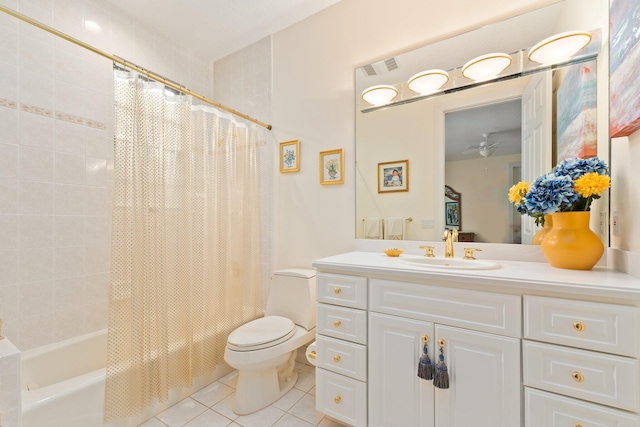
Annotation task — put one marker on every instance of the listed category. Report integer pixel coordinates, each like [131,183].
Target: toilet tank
[292,294]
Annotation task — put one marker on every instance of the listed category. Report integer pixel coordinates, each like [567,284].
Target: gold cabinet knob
[441,342]
[577,376]
[578,425]
[337,399]
[337,290]
[312,354]
[336,358]
[424,339]
[579,326]
[337,323]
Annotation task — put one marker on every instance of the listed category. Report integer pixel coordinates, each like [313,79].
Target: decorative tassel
[441,376]
[425,368]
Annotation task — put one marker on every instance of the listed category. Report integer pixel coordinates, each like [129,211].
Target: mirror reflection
[481,140]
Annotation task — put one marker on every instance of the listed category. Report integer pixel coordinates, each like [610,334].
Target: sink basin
[450,263]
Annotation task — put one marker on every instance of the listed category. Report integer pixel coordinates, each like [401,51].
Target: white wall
[313,101]
[625,192]
[483,185]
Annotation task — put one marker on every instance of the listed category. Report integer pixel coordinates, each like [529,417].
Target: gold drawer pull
[312,354]
[337,399]
[577,376]
[336,358]
[578,425]
[337,323]
[337,290]
[579,326]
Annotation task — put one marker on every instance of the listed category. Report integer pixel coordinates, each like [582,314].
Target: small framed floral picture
[332,167]
[290,156]
[393,176]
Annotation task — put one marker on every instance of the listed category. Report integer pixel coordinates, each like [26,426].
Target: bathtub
[63,385]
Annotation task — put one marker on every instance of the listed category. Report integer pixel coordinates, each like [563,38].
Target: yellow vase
[548,223]
[571,244]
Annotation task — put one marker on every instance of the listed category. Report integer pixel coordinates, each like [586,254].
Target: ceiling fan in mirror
[485,148]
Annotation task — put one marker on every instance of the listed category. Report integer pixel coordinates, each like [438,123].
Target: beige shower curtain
[186,242]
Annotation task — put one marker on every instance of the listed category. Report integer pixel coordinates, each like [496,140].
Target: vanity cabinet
[484,368]
[525,345]
[580,365]
[341,352]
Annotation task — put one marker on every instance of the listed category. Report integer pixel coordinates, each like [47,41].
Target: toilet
[264,350]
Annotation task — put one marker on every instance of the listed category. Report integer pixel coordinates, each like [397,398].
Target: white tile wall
[242,81]
[56,160]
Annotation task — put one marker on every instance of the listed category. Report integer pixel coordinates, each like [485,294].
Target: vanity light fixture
[379,95]
[426,82]
[559,47]
[486,67]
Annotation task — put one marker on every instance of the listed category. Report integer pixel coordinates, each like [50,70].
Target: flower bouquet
[570,186]
[566,192]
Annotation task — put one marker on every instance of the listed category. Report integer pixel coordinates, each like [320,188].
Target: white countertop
[599,282]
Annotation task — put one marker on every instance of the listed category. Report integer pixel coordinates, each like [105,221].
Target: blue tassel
[441,377]
[425,368]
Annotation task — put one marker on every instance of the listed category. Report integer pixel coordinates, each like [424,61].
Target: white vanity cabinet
[484,368]
[580,365]
[526,345]
[341,352]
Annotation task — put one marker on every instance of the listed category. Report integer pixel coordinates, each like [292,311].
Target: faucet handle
[468,253]
[429,251]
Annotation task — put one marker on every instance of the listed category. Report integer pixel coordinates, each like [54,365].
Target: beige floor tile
[306,410]
[213,393]
[181,413]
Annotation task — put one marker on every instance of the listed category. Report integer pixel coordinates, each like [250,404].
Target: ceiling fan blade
[472,150]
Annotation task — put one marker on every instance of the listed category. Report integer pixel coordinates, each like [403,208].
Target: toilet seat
[261,333]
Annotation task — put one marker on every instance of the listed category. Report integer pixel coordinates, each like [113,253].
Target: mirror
[418,131]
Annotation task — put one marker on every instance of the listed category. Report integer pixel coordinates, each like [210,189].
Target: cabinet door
[484,376]
[397,397]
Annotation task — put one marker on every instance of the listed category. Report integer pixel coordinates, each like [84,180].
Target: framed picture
[289,156]
[393,176]
[452,214]
[332,167]
[624,51]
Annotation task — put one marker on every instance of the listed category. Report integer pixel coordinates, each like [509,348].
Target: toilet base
[257,389]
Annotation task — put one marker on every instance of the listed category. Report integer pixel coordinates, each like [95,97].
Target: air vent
[380,67]
[369,70]
[391,64]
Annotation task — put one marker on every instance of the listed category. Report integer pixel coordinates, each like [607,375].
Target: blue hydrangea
[550,193]
[575,168]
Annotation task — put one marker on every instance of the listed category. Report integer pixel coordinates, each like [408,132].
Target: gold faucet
[449,236]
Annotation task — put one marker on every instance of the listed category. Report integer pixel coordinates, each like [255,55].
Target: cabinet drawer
[480,311]
[597,377]
[552,410]
[348,291]
[592,325]
[342,398]
[341,357]
[344,323]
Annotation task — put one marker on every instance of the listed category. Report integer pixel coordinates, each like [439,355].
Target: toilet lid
[261,333]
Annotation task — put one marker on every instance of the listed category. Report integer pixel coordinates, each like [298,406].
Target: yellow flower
[518,191]
[591,184]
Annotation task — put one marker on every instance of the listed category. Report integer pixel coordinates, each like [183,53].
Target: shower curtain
[186,242]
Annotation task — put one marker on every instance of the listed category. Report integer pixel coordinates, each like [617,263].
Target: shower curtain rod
[129,65]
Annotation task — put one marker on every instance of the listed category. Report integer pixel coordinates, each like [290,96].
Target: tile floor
[211,407]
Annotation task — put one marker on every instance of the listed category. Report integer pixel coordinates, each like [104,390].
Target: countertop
[519,276]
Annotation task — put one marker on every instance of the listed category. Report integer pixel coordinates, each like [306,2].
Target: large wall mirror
[477,139]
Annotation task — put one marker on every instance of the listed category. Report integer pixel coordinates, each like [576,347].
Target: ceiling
[216,28]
